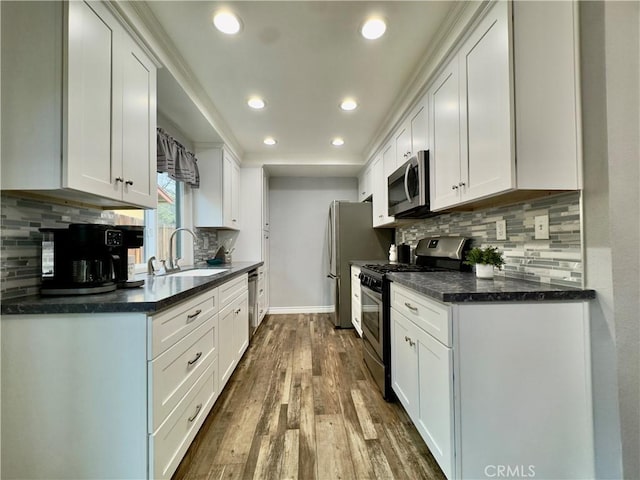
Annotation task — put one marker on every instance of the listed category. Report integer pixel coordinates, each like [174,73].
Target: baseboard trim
[295,310]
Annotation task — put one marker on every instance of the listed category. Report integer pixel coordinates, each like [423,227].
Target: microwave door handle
[406,183]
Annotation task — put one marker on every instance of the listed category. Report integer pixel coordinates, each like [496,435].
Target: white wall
[299,209]
[611,123]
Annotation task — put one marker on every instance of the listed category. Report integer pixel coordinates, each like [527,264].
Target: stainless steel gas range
[433,254]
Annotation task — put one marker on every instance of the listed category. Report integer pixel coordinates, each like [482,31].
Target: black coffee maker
[132,237]
[79,259]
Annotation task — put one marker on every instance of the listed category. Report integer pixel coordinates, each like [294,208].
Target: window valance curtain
[174,159]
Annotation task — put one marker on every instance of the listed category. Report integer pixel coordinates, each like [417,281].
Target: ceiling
[303,58]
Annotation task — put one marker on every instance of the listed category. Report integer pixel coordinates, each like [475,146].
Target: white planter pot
[484,271]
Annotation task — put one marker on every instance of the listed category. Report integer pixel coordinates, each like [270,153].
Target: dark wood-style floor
[301,404]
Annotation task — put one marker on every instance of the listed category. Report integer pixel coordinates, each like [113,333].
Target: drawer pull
[197,357]
[195,415]
[193,316]
[408,339]
[356,295]
[410,307]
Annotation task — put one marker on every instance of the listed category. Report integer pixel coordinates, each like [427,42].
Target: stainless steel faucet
[172,265]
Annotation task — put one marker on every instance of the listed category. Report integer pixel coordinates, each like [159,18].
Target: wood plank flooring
[302,405]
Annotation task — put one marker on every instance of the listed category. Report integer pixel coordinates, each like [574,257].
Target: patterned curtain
[173,158]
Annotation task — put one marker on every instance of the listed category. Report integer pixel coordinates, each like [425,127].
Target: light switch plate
[501,230]
[541,227]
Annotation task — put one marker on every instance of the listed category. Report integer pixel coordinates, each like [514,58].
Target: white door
[419,128]
[226,345]
[380,205]
[87,159]
[404,362]
[435,411]
[403,145]
[138,155]
[241,325]
[444,142]
[486,108]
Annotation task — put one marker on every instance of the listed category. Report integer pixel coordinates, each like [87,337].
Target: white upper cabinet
[471,147]
[444,154]
[217,202]
[82,124]
[486,108]
[380,205]
[365,183]
[409,138]
[499,122]
[547,95]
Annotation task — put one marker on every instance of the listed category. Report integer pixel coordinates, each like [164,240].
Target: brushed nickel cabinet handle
[194,416]
[410,307]
[408,339]
[197,357]
[193,316]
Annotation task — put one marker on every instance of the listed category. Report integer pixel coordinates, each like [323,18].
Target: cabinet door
[241,325]
[419,128]
[226,345]
[137,160]
[404,362]
[265,201]
[444,155]
[403,145]
[88,154]
[235,195]
[486,108]
[380,205]
[434,418]
[364,184]
[389,160]
[227,189]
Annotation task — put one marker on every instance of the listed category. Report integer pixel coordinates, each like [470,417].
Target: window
[165,219]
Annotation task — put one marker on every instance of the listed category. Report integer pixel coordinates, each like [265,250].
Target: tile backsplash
[20,239]
[557,260]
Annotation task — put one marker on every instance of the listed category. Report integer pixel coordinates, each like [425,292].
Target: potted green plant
[485,260]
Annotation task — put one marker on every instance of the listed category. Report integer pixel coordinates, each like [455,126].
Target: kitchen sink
[199,272]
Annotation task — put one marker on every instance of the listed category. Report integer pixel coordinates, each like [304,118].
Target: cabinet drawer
[431,316]
[169,444]
[232,289]
[170,326]
[174,372]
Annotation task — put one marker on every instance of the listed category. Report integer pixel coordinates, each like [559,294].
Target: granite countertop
[459,287]
[156,294]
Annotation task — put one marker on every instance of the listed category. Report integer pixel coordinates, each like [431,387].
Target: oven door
[408,186]
[372,313]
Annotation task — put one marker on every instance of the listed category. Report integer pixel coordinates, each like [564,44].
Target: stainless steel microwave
[408,188]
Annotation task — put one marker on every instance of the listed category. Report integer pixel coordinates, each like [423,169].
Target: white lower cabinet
[116,395]
[422,378]
[510,389]
[234,326]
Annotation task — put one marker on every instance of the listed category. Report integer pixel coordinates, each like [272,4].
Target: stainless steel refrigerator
[352,237]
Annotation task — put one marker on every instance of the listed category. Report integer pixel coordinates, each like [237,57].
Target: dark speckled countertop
[459,287]
[156,294]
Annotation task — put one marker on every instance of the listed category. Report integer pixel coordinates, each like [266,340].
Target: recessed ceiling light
[337,142]
[348,104]
[270,141]
[226,22]
[256,103]
[373,28]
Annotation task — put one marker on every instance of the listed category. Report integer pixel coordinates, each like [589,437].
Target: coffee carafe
[124,261]
[79,259]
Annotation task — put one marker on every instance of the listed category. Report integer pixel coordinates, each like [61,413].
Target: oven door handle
[406,183]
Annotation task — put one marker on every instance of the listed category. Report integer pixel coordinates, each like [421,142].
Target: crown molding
[147,27]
